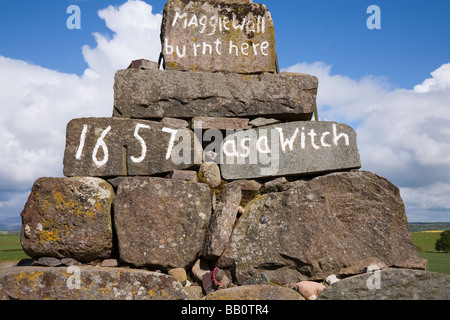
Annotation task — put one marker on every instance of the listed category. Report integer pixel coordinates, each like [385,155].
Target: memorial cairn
[210,180]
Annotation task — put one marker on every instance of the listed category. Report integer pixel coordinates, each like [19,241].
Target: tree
[443,243]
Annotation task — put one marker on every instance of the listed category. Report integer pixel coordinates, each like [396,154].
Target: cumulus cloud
[423,202]
[13,201]
[402,134]
[37,103]
[136,35]
[440,81]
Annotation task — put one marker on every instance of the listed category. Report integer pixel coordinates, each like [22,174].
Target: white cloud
[13,201]
[403,134]
[432,200]
[440,80]
[136,35]
[341,96]
[37,103]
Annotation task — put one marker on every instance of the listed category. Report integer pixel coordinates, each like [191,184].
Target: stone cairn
[209,179]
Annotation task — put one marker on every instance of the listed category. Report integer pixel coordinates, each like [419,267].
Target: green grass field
[425,242]
[10,248]
[437,262]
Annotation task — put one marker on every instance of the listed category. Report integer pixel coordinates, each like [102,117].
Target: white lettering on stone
[225,22]
[337,137]
[171,142]
[218,25]
[181,54]
[169,49]
[208,47]
[322,139]
[215,23]
[141,141]
[287,142]
[313,135]
[101,144]
[82,141]
[264,46]
[251,146]
[218,43]
[226,146]
[236,24]
[193,22]
[203,21]
[179,16]
[195,48]
[303,139]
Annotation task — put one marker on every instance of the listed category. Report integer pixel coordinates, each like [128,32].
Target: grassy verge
[425,242]
[437,262]
[10,248]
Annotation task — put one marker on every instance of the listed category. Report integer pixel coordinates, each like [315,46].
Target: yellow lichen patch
[165,295]
[150,293]
[45,205]
[87,213]
[28,276]
[49,232]
[49,236]
[67,229]
[99,206]
[106,291]
[250,205]
[61,203]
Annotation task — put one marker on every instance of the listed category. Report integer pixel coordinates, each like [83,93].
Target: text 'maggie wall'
[203,36]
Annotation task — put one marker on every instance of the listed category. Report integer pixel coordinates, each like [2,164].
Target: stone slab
[391,284]
[255,293]
[222,223]
[109,147]
[161,223]
[143,64]
[87,283]
[206,123]
[212,36]
[294,148]
[155,94]
[68,218]
[319,227]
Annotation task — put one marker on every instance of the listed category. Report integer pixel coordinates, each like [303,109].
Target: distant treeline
[419,226]
[8,228]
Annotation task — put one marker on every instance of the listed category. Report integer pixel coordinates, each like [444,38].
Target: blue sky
[413,41]
[392,85]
